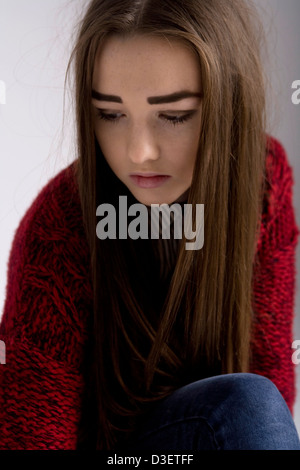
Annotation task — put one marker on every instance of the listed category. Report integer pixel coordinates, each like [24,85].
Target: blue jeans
[226,412]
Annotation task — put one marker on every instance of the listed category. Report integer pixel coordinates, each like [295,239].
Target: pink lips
[149,180]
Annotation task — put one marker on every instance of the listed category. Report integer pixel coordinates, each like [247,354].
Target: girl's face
[147,104]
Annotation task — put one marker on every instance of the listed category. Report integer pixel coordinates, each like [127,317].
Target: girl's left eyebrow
[172,98]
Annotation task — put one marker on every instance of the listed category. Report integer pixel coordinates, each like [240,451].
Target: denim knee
[252,415]
[228,412]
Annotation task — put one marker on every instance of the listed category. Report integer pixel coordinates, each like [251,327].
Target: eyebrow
[102,97]
[172,98]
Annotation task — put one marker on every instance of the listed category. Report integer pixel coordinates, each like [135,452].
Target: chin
[148,199]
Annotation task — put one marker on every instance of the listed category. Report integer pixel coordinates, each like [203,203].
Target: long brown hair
[144,349]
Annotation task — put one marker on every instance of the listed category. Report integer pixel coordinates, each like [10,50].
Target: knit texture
[49,303]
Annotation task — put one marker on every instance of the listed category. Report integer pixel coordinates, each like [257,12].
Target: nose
[142,145]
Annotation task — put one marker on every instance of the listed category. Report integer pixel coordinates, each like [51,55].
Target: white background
[35,42]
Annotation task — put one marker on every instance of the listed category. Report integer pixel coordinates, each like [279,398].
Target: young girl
[125,342]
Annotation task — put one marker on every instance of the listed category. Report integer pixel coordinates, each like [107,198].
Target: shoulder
[52,226]
[51,230]
[278,222]
[52,217]
[48,289]
[59,197]
[278,176]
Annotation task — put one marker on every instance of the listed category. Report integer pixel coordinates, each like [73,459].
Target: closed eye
[178,118]
[110,117]
[174,118]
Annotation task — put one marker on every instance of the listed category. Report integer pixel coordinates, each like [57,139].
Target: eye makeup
[173,118]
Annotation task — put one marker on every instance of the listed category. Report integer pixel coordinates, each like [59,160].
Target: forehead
[146,63]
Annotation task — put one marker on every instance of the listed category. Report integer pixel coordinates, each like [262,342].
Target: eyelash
[174,120]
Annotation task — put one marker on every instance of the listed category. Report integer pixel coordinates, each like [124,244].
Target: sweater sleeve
[274,278]
[43,326]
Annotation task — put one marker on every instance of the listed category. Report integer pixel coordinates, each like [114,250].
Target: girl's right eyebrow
[102,97]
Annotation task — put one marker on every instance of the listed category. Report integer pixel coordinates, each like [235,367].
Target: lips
[149,180]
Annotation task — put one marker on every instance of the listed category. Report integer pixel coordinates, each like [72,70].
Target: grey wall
[282,64]
[34,47]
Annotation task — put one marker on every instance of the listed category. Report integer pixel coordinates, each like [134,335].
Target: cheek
[110,148]
[183,154]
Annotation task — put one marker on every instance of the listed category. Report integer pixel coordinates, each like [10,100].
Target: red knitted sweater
[49,298]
